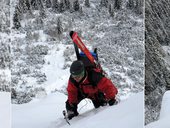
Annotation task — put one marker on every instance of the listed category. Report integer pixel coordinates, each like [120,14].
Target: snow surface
[164,121]
[47,113]
[119,41]
[5,109]
[56,76]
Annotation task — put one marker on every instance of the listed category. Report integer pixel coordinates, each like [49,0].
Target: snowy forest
[132,38]
[41,28]
[4,46]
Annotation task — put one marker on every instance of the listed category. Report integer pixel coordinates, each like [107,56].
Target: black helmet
[77,67]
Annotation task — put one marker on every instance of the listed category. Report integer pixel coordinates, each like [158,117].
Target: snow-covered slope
[5,110]
[164,121]
[40,58]
[47,113]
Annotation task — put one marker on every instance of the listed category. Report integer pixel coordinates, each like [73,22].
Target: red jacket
[90,85]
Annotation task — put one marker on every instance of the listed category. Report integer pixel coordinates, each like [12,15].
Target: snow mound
[163,122]
[5,100]
[47,113]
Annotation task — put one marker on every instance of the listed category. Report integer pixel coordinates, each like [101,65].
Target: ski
[65,116]
[77,51]
[76,39]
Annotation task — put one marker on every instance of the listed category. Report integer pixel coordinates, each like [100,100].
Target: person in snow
[88,84]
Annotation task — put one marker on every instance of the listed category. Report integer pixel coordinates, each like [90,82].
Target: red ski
[76,39]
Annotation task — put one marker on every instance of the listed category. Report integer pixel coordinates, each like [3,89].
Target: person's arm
[72,93]
[107,87]
[71,103]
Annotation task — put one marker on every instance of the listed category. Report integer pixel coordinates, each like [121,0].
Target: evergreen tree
[81,10]
[76,5]
[34,4]
[139,7]
[135,5]
[104,3]
[111,10]
[16,20]
[130,4]
[61,6]
[118,4]
[67,4]
[26,5]
[42,13]
[55,5]
[87,3]
[39,4]
[48,3]
[59,27]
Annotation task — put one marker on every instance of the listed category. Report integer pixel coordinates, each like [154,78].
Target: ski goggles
[78,75]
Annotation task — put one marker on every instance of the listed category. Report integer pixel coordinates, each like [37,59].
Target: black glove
[112,102]
[101,99]
[71,110]
[70,114]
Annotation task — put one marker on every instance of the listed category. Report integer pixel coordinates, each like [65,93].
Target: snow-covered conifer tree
[118,4]
[16,20]
[59,27]
[111,10]
[104,3]
[87,3]
[48,3]
[76,5]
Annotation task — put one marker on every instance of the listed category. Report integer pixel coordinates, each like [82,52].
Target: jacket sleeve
[107,87]
[72,93]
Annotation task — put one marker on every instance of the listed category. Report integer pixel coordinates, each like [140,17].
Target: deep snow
[5,110]
[47,113]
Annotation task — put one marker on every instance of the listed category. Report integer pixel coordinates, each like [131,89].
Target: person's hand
[70,114]
[112,102]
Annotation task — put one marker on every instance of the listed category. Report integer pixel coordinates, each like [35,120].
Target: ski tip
[71,33]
